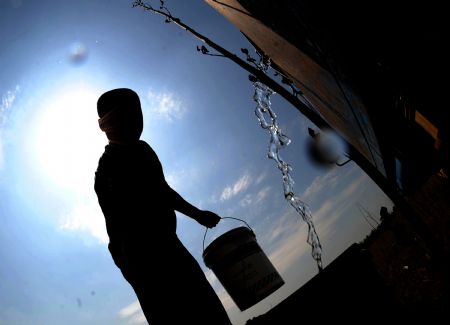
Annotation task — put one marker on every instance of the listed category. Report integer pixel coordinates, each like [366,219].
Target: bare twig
[253,70]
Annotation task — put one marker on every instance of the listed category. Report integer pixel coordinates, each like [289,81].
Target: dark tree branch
[261,76]
[205,51]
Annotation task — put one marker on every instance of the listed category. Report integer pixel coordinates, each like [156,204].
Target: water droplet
[330,146]
[78,53]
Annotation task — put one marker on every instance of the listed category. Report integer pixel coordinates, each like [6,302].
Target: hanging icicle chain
[268,121]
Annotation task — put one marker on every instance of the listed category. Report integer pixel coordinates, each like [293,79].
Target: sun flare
[67,142]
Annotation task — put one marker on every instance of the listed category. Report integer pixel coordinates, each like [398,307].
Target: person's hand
[207,218]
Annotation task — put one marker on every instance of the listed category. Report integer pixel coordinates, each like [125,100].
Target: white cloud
[6,103]
[257,198]
[173,180]
[319,184]
[87,218]
[166,105]
[334,208]
[134,313]
[262,194]
[139,318]
[240,185]
[181,179]
[2,155]
[130,309]
[246,201]
[328,213]
[281,227]
[260,178]
[293,247]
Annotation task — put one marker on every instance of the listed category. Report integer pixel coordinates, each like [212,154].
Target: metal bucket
[242,267]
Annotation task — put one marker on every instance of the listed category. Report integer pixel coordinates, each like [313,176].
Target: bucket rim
[226,237]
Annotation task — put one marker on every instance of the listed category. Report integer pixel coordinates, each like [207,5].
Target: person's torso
[131,180]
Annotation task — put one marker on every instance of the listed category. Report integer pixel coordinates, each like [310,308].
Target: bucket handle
[206,230]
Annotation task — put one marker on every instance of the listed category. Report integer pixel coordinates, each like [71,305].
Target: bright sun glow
[67,140]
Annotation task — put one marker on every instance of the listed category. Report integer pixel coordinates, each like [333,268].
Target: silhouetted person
[138,206]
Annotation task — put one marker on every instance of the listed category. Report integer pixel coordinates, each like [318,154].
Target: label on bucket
[250,279]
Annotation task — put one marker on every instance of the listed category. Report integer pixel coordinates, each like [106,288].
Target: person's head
[120,115]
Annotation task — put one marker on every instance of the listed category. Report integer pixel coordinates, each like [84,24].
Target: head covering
[120,115]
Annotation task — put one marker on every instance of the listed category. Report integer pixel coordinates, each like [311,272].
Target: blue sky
[57,57]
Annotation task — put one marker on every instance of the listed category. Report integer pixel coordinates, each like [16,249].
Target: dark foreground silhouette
[138,206]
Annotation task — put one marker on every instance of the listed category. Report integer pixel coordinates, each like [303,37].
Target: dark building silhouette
[375,72]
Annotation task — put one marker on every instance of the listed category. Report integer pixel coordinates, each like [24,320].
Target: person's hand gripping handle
[207,218]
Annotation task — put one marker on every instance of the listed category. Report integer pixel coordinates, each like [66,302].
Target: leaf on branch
[286,81]
[204,49]
[167,21]
[250,59]
[252,78]
[245,51]
[299,92]
[161,4]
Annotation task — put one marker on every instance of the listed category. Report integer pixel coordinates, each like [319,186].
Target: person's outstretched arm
[206,218]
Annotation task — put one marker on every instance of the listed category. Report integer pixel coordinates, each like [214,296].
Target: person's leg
[196,299]
[150,292]
[174,289]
